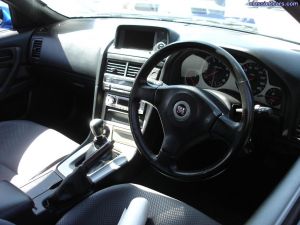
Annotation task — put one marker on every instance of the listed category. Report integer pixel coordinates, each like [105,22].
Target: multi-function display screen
[138,39]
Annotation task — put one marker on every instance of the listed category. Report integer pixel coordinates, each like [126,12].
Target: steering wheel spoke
[146,92]
[225,129]
[166,162]
[171,145]
[169,152]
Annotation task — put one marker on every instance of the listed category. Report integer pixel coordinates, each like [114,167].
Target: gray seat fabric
[5,222]
[26,148]
[106,207]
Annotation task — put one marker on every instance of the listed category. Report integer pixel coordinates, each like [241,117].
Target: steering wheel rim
[167,100]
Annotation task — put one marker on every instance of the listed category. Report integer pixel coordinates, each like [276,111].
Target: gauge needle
[212,74]
[213,78]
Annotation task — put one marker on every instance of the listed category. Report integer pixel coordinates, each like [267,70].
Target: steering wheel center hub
[182,110]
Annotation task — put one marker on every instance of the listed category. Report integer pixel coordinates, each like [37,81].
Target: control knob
[159,46]
[110,100]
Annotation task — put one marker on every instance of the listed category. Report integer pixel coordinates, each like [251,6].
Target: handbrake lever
[89,162]
[76,185]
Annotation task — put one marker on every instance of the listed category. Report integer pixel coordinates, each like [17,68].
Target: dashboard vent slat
[36,49]
[115,67]
[133,69]
[297,131]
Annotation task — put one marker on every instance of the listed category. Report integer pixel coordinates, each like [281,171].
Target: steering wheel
[188,115]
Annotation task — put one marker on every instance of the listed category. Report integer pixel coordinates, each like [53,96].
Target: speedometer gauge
[216,73]
[257,76]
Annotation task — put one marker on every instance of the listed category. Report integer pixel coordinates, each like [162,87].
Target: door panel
[9,63]
[15,81]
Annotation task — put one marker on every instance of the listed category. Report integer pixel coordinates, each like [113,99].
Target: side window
[5,17]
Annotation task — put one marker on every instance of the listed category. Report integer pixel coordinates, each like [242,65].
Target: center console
[132,47]
[124,58]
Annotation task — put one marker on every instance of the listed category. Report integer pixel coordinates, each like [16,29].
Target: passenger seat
[26,148]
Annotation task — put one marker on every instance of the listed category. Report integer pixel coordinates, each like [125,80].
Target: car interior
[140,118]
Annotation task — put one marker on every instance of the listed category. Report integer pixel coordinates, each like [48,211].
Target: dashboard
[208,72]
[112,50]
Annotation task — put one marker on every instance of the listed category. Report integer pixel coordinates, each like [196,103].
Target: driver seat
[105,207]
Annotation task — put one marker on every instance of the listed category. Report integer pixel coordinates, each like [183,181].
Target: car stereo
[121,103]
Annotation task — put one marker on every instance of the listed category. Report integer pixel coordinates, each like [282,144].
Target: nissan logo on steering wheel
[181,111]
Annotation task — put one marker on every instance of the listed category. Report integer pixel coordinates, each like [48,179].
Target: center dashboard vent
[36,49]
[122,68]
[116,67]
[133,69]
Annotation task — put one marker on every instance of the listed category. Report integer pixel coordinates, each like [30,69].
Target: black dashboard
[110,48]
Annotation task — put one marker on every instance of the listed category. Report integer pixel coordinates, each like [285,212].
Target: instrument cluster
[208,72]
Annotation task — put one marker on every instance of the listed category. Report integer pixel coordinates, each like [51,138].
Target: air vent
[133,69]
[297,131]
[115,67]
[36,49]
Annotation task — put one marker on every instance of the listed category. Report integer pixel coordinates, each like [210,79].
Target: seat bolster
[6,173]
[5,222]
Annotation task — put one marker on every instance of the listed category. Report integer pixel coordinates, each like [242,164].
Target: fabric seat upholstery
[26,148]
[106,207]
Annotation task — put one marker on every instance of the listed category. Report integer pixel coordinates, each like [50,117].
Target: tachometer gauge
[191,78]
[273,97]
[216,73]
[257,76]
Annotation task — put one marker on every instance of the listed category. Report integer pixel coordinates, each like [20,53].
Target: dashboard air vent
[116,67]
[297,131]
[36,49]
[133,69]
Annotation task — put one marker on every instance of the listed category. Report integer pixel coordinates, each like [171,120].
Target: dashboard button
[110,100]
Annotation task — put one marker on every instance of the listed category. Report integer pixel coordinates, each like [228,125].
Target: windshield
[262,17]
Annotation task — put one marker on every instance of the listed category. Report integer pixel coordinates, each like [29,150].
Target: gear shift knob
[97,127]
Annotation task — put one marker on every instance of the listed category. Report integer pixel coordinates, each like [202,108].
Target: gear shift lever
[99,131]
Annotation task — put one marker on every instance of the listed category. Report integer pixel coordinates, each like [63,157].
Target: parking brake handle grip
[136,213]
